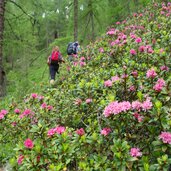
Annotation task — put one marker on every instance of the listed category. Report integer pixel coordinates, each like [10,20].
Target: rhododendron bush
[111,112]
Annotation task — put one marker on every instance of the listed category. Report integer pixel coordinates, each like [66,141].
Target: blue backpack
[72,48]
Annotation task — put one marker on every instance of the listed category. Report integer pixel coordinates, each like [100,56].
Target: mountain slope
[111,111]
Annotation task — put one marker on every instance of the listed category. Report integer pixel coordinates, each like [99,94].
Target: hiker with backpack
[73,49]
[53,61]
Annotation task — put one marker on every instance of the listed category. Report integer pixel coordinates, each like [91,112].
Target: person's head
[55,48]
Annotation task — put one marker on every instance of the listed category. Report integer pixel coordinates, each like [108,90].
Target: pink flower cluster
[134,73]
[17,111]
[36,96]
[80,131]
[146,105]
[165,137]
[116,108]
[78,102]
[3,113]
[133,52]
[159,85]
[108,83]
[138,117]
[105,131]
[28,143]
[101,50]
[164,68]
[151,73]
[58,130]
[166,9]
[88,101]
[138,40]
[20,159]
[115,78]
[112,31]
[27,112]
[135,152]
[45,106]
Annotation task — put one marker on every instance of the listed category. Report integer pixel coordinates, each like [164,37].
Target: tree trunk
[2,72]
[136,3]
[92,26]
[75,20]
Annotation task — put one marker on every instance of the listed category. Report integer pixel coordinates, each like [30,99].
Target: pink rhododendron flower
[159,85]
[49,107]
[44,105]
[27,112]
[101,50]
[136,105]
[150,50]
[135,152]
[34,95]
[14,123]
[135,73]
[115,78]
[138,117]
[1,116]
[105,131]
[162,12]
[138,40]
[111,32]
[80,131]
[75,63]
[168,14]
[124,76]
[117,23]
[132,88]
[108,83]
[60,129]
[82,64]
[20,159]
[117,41]
[40,97]
[17,111]
[142,48]
[164,68]
[112,43]
[88,101]
[165,137]
[28,143]
[78,102]
[124,21]
[151,73]
[116,108]
[82,58]
[147,104]
[51,132]
[133,36]
[3,112]
[133,52]
[135,14]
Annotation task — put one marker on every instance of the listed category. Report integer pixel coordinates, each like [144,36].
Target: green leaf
[156,143]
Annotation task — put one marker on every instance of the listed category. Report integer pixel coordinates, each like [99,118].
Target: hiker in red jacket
[53,61]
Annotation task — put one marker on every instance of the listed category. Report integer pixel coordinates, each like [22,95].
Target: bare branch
[31,17]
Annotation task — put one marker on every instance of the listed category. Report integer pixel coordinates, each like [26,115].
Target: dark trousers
[53,68]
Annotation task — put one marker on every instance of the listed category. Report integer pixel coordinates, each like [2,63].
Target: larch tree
[2,72]
[75,20]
